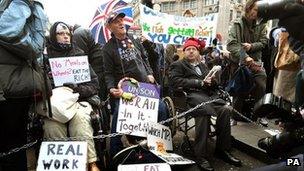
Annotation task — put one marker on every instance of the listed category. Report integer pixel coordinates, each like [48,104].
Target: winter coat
[116,68]
[183,75]
[22,26]
[236,37]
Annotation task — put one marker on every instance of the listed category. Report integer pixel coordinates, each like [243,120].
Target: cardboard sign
[169,29]
[134,115]
[145,167]
[159,138]
[66,155]
[173,159]
[70,70]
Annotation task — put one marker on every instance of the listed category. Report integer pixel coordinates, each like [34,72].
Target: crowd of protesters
[25,84]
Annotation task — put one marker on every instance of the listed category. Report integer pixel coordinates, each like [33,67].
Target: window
[209,2]
[165,7]
[193,4]
[238,14]
[186,4]
[168,6]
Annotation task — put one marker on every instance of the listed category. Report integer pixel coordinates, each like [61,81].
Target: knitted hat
[194,42]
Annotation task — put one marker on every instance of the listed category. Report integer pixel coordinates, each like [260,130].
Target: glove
[72,86]
[294,22]
[127,96]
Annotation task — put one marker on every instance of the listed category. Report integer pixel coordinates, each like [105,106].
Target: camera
[292,120]
[275,9]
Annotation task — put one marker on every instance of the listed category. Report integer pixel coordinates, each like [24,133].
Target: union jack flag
[100,32]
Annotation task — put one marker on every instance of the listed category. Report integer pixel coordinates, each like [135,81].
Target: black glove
[72,86]
[294,20]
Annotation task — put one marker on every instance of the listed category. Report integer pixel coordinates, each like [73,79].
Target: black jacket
[183,75]
[83,38]
[116,68]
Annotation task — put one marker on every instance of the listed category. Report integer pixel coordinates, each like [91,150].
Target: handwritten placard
[145,167]
[134,115]
[70,70]
[60,156]
[159,137]
[169,29]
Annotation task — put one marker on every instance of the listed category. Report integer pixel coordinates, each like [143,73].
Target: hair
[249,5]
[188,12]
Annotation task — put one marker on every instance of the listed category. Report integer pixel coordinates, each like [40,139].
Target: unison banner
[170,29]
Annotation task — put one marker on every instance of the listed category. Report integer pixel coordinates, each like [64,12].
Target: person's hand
[72,86]
[294,22]
[150,79]
[246,46]
[248,60]
[115,92]
[207,82]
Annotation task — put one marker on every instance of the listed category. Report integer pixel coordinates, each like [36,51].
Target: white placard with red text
[70,70]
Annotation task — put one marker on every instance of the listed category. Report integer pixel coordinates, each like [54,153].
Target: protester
[124,57]
[155,54]
[285,73]
[21,80]
[190,74]
[60,45]
[246,35]
[83,38]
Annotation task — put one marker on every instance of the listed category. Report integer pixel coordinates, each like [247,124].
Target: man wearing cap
[190,74]
[123,57]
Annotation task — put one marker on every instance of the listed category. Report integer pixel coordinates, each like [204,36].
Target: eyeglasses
[63,33]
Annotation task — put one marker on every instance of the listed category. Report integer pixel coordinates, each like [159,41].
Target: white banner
[134,115]
[61,156]
[145,167]
[159,138]
[169,29]
[70,70]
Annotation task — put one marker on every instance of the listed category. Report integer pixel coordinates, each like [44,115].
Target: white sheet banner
[169,29]
[70,70]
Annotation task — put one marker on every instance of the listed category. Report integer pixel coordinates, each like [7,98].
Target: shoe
[204,165]
[228,157]
[263,122]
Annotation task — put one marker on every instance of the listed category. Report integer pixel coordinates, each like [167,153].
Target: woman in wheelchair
[190,74]
[59,45]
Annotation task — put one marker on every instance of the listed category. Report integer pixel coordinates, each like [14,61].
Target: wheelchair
[178,99]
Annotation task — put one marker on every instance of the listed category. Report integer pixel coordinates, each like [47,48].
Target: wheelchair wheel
[172,113]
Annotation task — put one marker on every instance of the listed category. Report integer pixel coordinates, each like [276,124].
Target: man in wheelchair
[190,74]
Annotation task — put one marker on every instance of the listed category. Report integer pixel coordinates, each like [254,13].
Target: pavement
[246,136]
